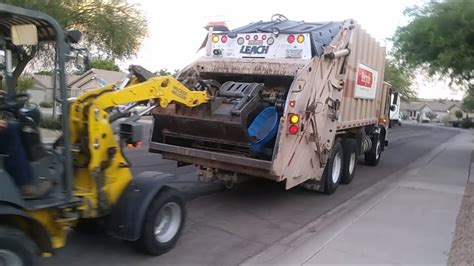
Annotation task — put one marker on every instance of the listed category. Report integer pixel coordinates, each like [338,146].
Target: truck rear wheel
[16,248]
[349,165]
[333,171]
[372,157]
[163,224]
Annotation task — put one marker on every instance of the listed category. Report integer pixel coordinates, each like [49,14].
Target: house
[42,91]
[414,110]
[437,110]
[92,79]
[445,111]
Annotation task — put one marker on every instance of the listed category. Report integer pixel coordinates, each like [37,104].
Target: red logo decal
[364,78]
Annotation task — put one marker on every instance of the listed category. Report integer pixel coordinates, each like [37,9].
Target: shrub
[445,120]
[50,123]
[467,123]
[458,114]
[46,104]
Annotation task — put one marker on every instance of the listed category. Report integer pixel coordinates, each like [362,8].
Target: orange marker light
[300,38]
[215,38]
[294,118]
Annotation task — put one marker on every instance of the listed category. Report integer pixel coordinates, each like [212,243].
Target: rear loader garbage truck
[291,101]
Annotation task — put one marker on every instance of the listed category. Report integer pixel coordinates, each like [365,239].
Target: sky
[176,27]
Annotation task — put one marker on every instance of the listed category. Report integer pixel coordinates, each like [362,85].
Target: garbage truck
[290,101]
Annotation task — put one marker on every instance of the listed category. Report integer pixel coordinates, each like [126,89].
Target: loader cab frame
[21,32]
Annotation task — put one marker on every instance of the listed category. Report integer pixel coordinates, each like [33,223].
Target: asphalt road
[225,227]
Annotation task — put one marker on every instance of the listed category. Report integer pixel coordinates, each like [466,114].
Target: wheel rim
[352,162]
[8,257]
[168,222]
[336,167]
[378,150]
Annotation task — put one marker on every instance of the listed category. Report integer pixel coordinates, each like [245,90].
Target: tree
[439,39]
[458,114]
[25,83]
[163,72]
[113,28]
[44,72]
[431,115]
[400,79]
[105,64]
[468,101]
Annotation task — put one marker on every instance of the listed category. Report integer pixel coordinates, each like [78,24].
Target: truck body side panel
[358,111]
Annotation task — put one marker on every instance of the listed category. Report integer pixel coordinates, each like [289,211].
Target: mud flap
[129,213]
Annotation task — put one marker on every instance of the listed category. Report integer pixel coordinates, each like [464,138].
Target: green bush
[50,123]
[46,104]
[467,123]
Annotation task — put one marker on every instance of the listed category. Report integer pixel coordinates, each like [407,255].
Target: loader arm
[101,182]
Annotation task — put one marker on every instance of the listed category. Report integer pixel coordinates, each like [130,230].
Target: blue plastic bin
[263,128]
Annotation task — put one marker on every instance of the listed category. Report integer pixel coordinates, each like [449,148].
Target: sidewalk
[408,218]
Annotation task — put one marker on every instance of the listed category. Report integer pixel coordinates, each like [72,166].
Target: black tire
[91,226]
[148,243]
[372,157]
[330,185]
[16,245]
[349,164]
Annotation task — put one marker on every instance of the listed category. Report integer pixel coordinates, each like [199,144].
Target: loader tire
[16,248]
[349,164]
[163,224]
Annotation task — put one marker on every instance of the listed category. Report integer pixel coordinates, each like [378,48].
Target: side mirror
[393,108]
[24,34]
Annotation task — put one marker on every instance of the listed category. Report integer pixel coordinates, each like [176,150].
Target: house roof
[434,106]
[442,107]
[414,106]
[46,82]
[105,76]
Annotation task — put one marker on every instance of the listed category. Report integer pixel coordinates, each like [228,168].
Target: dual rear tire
[340,168]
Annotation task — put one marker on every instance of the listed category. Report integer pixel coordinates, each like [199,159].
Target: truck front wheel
[163,224]
[372,157]
[16,248]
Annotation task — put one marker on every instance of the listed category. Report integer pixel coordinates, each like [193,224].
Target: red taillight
[293,129]
[255,37]
[264,37]
[224,39]
[291,38]
[292,103]
[247,37]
